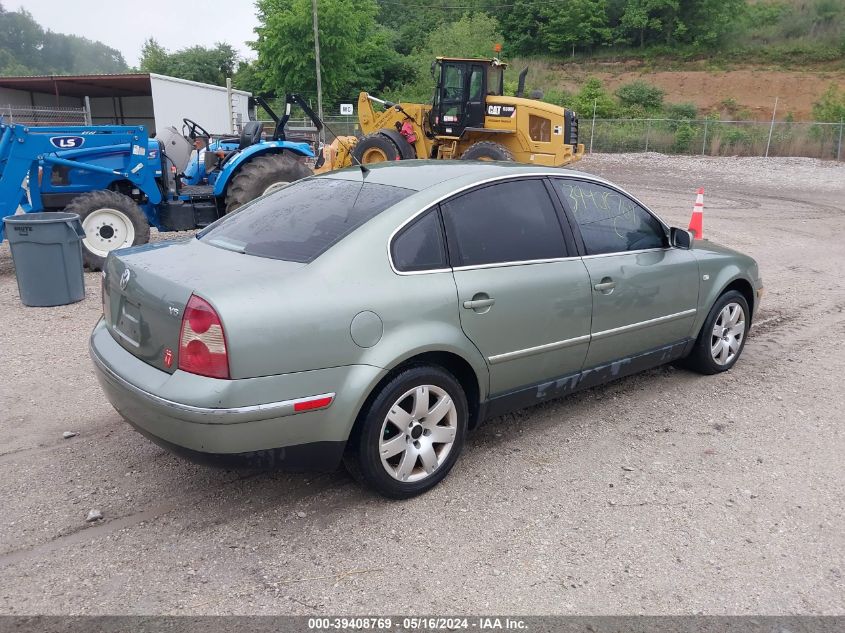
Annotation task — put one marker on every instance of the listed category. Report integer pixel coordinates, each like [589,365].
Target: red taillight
[202,343]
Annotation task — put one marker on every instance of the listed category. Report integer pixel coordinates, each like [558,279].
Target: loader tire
[374,148]
[111,220]
[406,150]
[262,175]
[487,150]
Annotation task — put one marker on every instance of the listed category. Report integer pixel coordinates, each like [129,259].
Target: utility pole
[317,63]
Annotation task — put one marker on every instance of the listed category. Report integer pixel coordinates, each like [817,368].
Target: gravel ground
[665,493]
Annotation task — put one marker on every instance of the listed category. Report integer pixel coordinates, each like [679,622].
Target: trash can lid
[42,217]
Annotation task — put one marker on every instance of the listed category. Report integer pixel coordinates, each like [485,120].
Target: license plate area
[128,325]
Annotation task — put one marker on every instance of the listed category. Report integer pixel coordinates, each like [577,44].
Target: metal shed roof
[124,85]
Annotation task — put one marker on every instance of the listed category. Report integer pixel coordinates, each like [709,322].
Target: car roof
[420,175]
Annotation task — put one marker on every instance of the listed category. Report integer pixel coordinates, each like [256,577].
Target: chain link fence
[38,115]
[703,137]
[716,138]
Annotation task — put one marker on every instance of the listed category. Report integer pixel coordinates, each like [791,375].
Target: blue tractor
[121,182]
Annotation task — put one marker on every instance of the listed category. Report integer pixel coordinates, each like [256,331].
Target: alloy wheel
[728,333]
[418,433]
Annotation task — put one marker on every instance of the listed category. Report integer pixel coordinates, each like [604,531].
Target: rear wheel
[375,148]
[111,220]
[261,176]
[487,150]
[411,434]
[722,336]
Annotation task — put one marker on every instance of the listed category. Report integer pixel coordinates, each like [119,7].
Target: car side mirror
[680,238]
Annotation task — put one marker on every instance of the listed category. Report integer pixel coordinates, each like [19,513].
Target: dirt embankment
[750,92]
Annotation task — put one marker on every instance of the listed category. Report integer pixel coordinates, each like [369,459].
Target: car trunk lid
[146,289]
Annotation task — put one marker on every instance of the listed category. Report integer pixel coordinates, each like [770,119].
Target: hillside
[746,93]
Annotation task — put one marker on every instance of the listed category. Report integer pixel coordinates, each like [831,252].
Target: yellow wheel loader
[470,118]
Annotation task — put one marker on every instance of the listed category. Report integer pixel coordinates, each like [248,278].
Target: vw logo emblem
[124,279]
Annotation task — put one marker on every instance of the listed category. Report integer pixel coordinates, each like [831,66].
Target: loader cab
[460,96]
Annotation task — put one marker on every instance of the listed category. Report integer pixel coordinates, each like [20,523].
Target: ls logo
[67,142]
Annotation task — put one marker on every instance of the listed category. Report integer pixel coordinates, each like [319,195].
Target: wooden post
[772,128]
[317,64]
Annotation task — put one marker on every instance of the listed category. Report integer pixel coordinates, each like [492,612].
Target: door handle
[606,285]
[478,304]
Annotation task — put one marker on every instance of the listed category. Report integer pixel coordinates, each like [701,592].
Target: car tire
[487,150]
[393,448]
[111,221]
[263,175]
[375,148]
[722,337]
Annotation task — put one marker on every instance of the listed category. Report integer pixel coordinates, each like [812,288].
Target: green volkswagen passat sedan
[376,316]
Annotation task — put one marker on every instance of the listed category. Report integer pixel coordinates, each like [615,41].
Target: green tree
[355,52]
[413,21]
[196,63]
[582,24]
[640,97]
[647,17]
[706,22]
[248,77]
[521,25]
[830,108]
[154,58]
[593,94]
[207,65]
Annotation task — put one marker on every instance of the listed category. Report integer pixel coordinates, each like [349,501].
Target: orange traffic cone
[696,223]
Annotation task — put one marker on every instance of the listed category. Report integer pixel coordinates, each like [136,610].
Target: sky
[125,25]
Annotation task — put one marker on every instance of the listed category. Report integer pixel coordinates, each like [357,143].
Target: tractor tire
[374,148]
[111,220]
[262,175]
[406,150]
[487,150]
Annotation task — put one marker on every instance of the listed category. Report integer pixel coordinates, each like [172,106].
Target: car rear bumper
[250,421]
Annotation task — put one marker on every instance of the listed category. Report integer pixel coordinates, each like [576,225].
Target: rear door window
[303,220]
[513,221]
[420,245]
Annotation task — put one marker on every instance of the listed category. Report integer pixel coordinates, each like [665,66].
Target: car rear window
[302,221]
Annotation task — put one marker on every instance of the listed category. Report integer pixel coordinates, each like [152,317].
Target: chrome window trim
[618,253]
[531,351]
[225,415]
[549,347]
[527,262]
[539,174]
[643,324]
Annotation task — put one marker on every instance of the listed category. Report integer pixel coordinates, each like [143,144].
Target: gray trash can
[47,252]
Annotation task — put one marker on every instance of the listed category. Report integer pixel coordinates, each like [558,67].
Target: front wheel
[411,434]
[375,148]
[111,221]
[722,336]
